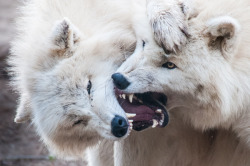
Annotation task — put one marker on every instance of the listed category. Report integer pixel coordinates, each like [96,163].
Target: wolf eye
[143,43]
[169,65]
[89,87]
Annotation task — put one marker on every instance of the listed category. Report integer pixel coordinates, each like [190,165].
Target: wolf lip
[144,110]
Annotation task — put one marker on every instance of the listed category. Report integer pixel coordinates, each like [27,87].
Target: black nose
[120,81]
[119,126]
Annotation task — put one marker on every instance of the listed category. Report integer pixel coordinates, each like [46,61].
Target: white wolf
[207,84]
[62,68]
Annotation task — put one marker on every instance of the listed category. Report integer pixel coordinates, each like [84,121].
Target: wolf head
[70,96]
[203,80]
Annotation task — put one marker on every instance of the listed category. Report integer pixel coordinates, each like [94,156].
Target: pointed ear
[64,36]
[222,33]
[23,112]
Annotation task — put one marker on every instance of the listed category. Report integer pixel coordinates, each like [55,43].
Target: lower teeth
[155,123]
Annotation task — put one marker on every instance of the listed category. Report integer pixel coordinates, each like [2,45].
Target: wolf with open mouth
[207,84]
[148,109]
[62,61]
[144,110]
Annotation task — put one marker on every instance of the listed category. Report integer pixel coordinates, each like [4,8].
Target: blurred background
[19,144]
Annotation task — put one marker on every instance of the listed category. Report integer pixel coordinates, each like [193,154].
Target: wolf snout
[120,81]
[119,126]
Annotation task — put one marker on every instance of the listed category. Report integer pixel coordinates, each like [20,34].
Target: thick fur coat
[62,59]
[207,84]
[64,56]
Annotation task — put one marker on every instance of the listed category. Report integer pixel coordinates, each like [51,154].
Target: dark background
[19,144]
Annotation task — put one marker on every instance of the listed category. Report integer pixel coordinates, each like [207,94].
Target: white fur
[208,91]
[58,49]
[52,79]
[168,22]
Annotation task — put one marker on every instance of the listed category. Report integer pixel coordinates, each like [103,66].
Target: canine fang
[131,98]
[155,123]
[158,111]
[130,115]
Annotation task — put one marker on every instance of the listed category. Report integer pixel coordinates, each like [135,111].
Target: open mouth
[144,109]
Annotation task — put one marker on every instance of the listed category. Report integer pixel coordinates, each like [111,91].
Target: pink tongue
[143,113]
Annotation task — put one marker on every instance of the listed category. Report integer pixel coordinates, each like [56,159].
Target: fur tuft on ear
[64,35]
[222,33]
[23,113]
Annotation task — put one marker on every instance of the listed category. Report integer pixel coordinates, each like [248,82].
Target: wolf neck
[228,102]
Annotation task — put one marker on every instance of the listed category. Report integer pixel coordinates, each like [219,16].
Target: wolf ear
[64,36]
[222,33]
[23,112]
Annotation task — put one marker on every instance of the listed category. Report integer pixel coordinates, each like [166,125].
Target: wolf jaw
[144,109]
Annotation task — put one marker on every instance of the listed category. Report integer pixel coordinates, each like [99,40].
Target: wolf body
[62,69]
[62,61]
[207,83]
[60,89]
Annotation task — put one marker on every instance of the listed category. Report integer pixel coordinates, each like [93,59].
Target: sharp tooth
[123,96]
[130,115]
[140,101]
[155,123]
[159,111]
[131,98]
[120,96]
[130,121]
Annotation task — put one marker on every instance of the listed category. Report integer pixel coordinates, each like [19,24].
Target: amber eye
[89,87]
[169,65]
